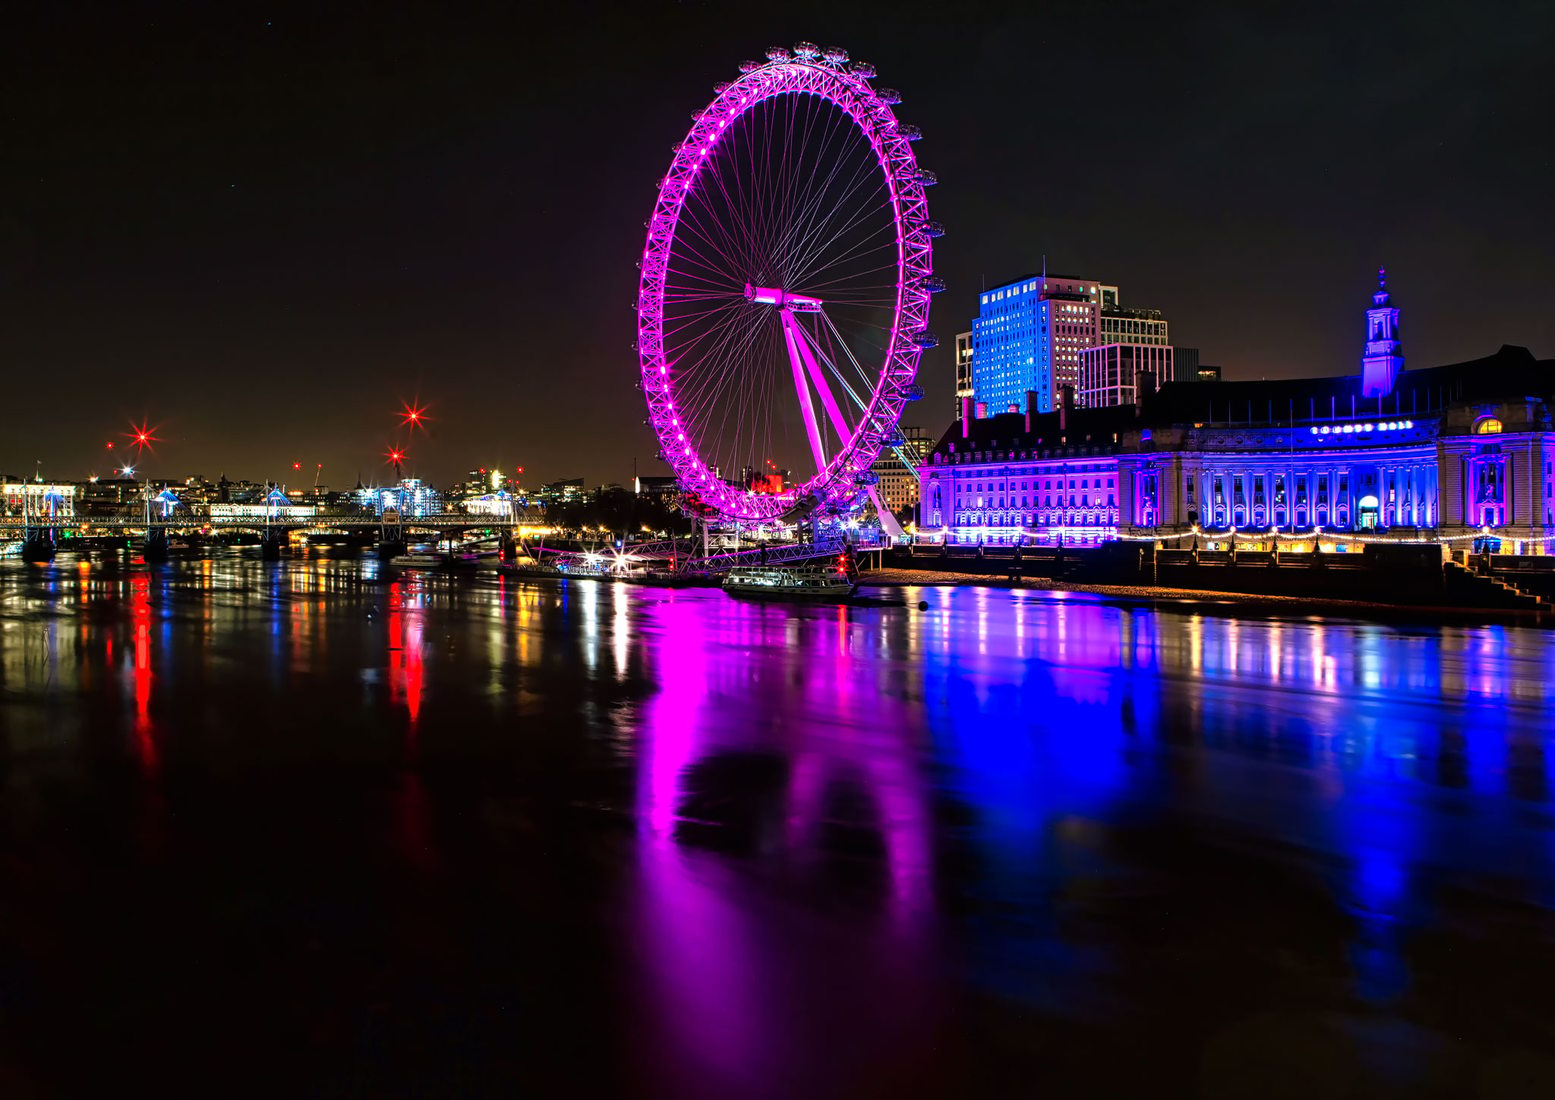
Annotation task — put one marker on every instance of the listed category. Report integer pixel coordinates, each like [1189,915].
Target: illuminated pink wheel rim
[784,298]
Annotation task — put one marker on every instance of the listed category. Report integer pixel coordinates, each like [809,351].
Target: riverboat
[800,582]
[435,561]
[540,571]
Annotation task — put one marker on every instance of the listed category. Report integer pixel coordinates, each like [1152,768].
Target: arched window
[1487,425]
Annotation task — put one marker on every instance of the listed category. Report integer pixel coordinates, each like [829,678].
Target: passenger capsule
[866,477]
[924,338]
[927,178]
[934,229]
[777,53]
[913,392]
[863,69]
[910,132]
[889,95]
[721,87]
[835,54]
[935,284]
[748,67]
[806,51]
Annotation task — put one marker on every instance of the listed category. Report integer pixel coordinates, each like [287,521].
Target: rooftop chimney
[1031,408]
[1144,389]
[1065,406]
[966,417]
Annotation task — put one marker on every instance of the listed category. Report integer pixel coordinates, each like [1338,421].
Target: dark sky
[263,226]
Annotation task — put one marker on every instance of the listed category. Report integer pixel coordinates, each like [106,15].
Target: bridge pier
[270,545]
[389,548]
[155,548]
[39,544]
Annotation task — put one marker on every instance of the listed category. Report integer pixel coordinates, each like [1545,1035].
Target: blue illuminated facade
[1027,338]
[1449,453]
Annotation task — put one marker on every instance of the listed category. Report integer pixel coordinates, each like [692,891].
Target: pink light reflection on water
[721,953]
[669,728]
[700,971]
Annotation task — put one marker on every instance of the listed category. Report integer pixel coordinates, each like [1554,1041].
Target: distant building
[769,480]
[411,497]
[964,389]
[38,499]
[498,502]
[1143,327]
[1460,454]
[480,483]
[1204,373]
[1186,362]
[558,492]
[1131,344]
[107,496]
[1028,336]
[1122,374]
[1033,476]
[275,505]
[657,488]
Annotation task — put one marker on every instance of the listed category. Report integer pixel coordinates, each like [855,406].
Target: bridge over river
[42,536]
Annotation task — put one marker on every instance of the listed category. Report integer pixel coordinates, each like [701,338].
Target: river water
[304,829]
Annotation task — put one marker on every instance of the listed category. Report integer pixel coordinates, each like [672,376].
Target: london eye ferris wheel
[784,293]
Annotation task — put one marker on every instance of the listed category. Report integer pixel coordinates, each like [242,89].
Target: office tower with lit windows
[1028,336]
[1130,344]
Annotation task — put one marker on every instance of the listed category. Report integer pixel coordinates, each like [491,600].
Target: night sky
[263,227]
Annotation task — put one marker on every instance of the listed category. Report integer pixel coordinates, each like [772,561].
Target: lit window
[1487,425]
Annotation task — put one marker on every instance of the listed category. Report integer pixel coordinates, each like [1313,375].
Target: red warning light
[413,415]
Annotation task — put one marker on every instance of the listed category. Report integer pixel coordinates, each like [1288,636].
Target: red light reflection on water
[140,610]
[412,812]
[406,671]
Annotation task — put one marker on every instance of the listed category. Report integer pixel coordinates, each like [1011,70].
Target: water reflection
[811,832]
[140,610]
[774,735]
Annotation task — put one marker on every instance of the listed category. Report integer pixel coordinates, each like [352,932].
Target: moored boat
[533,570]
[795,582]
[435,561]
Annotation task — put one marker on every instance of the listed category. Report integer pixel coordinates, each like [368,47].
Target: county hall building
[1460,453]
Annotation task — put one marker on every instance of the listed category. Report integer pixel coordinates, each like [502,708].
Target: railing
[776,555]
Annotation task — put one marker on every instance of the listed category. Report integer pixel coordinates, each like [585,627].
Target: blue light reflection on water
[1385,750]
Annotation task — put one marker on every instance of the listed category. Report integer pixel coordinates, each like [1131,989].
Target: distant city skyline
[262,234]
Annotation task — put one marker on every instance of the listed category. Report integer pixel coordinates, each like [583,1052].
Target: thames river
[304,829]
